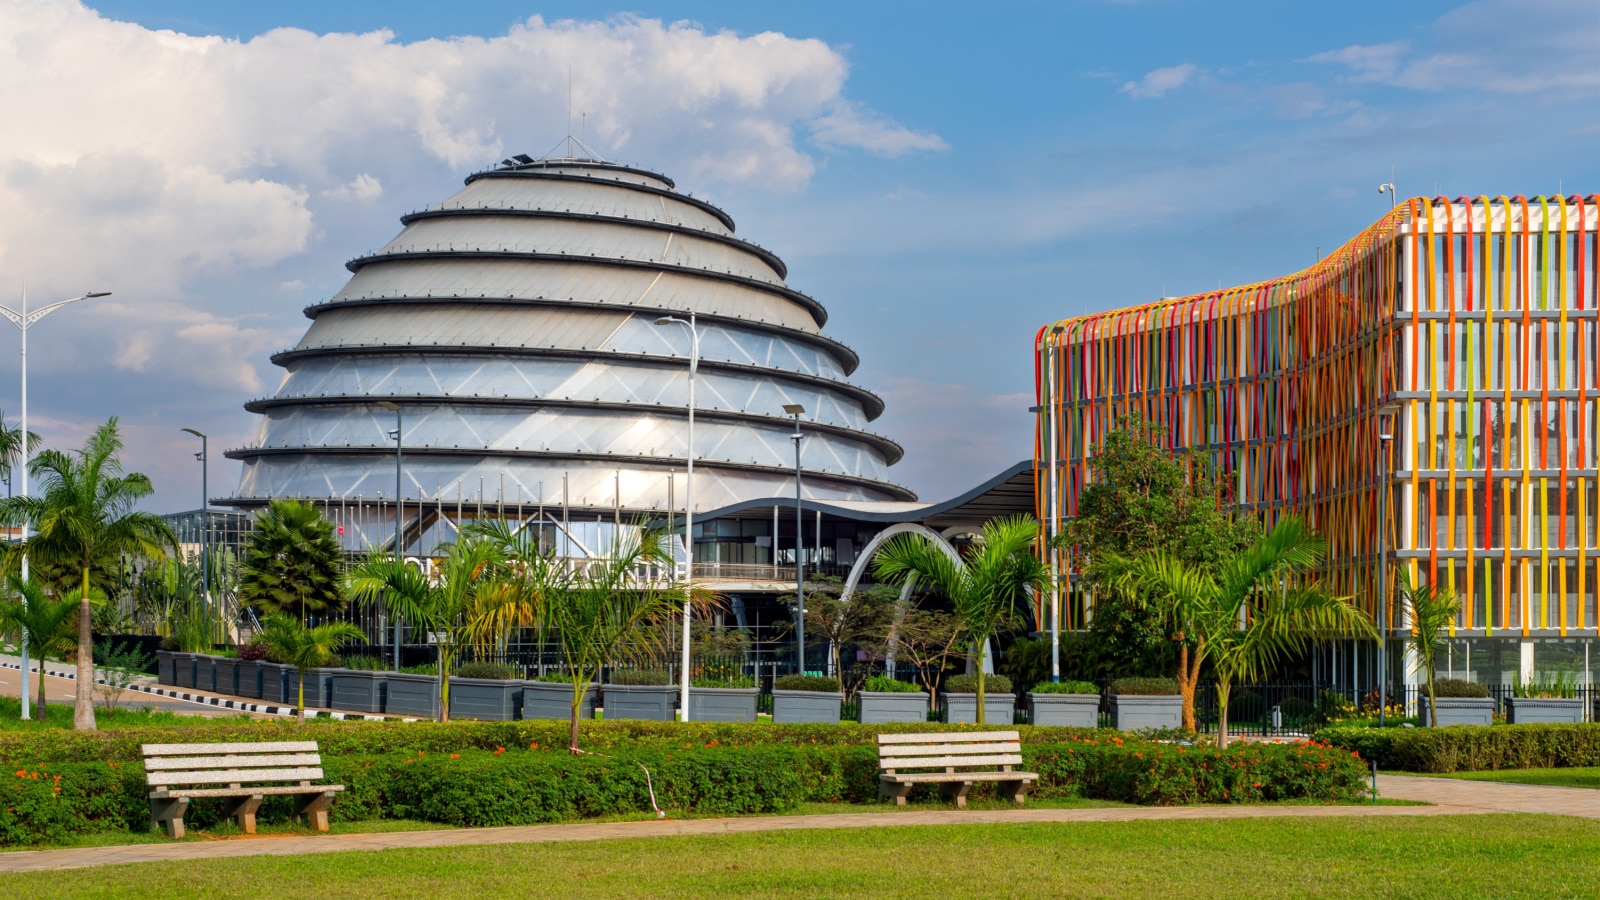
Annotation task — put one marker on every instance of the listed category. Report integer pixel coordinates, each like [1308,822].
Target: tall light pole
[23,321]
[1385,441]
[399,548]
[205,516]
[1388,188]
[796,410]
[688,504]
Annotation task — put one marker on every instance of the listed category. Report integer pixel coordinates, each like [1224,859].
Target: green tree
[985,588]
[85,513]
[1246,614]
[50,624]
[470,580]
[11,450]
[1143,499]
[288,640]
[1433,609]
[867,613]
[292,561]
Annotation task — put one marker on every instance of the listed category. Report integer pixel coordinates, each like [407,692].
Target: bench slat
[249,792]
[927,750]
[231,776]
[242,761]
[944,737]
[921,777]
[943,761]
[211,749]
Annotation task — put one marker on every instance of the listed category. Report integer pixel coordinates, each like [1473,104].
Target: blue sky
[944,177]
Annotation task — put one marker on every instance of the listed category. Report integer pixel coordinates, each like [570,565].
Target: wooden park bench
[959,758]
[243,774]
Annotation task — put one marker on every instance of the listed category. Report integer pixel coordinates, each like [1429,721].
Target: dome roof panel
[591,199]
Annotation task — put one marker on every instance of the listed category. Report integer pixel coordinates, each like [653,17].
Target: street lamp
[399,450]
[205,516]
[1388,188]
[688,503]
[23,321]
[796,410]
[1386,417]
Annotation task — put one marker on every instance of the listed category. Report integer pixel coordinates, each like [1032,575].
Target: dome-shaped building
[517,327]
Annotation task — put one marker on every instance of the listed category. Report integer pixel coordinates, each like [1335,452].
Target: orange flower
[534,745]
[711,744]
[455,756]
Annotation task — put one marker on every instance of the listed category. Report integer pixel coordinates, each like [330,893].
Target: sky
[944,177]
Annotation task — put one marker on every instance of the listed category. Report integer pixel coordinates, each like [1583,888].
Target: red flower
[455,756]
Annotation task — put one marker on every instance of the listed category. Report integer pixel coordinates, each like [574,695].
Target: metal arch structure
[514,323]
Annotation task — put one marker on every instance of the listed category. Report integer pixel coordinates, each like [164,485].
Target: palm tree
[11,450]
[1250,612]
[470,576]
[290,641]
[49,624]
[985,587]
[1433,609]
[292,561]
[85,513]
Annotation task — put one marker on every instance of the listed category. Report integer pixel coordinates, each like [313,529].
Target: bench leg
[898,791]
[243,811]
[956,792]
[1016,790]
[166,813]
[315,808]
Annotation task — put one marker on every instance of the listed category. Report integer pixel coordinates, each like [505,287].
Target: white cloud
[227,352]
[362,187]
[852,125]
[1155,84]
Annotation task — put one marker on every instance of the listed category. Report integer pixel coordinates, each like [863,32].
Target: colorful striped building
[1471,322]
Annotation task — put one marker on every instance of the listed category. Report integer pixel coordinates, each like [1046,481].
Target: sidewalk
[1492,796]
[296,845]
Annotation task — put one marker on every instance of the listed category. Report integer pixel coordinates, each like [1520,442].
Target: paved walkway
[1462,795]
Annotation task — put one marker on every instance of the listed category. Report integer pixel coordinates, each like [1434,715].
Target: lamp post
[688,503]
[1388,188]
[1385,441]
[796,410]
[23,321]
[205,516]
[399,548]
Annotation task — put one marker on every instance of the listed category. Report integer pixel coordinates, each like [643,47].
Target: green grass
[1446,856]
[1582,777]
[59,715]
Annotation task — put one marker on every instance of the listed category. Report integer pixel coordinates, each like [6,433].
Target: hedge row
[528,785]
[345,738]
[1469,748]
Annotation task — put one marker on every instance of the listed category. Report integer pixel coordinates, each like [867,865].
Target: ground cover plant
[1578,776]
[1516,856]
[1468,748]
[59,717]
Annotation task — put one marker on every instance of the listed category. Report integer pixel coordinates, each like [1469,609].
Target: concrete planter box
[226,676]
[722,704]
[414,695]
[655,702]
[553,700]
[791,707]
[359,691]
[165,671]
[183,670]
[205,672]
[1458,711]
[999,708]
[485,699]
[280,684]
[1556,710]
[249,684]
[1130,712]
[877,709]
[319,687]
[1070,710]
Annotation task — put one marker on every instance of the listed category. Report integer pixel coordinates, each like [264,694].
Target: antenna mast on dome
[573,143]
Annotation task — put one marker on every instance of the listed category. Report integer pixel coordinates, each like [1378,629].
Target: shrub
[639,677]
[732,681]
[805,683]
[1456,687]
[1471,748]
[364,663]
[424,669]
[553,678]
[490,670]
[1066,687]
[253,650]
[1134,687]
[1172,774]
[883,684]
[968,684]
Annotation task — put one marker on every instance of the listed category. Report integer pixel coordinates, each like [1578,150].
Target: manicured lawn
[59,715]
[1446,856]
[1588,777]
